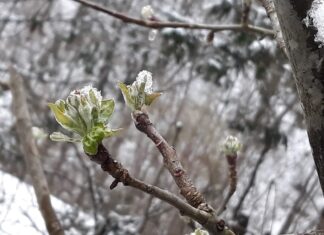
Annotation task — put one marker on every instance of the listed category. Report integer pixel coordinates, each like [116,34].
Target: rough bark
[31,154]
[306,58]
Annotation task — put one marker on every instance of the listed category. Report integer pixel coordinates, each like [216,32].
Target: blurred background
[239,84]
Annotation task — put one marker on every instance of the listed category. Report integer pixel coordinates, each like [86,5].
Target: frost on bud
[231,145]
[147,12]
[145,77]
[86,114]
[140,93]
[199,231]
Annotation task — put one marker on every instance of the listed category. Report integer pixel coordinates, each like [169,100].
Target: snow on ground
[19,212]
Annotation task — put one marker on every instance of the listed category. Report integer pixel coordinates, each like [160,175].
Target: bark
[31,154]
[209,221]
[307,62]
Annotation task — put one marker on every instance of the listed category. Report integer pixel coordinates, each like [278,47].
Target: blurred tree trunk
[31,155]
[307,62]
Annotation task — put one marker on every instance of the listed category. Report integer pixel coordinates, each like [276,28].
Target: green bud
[85,113]
[231,145]
[140,93]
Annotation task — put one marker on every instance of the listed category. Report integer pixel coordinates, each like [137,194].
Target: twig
[246,7]
[231,160]
[171,162]
[156,181]
[160,24]
[252,179]
[270,9]
[120,174]
[31,154]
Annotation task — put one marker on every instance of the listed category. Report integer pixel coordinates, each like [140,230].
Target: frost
[315,18]
[145,77]
[147,12]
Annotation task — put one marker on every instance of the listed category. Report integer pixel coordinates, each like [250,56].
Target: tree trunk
[307,62]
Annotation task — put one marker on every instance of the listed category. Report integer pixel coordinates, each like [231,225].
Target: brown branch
[31,154]
[159,24]
[246,7]
[171,162]
[207,220]
[231,160]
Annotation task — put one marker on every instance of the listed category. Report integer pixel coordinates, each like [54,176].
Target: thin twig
[246,7]
[160,24]
[231,160]
[270,9]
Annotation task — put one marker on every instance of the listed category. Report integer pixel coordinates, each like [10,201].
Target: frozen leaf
[60,137]
[151,97]
[107,109]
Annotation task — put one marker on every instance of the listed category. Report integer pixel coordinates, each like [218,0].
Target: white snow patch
[19,213]
[316,13]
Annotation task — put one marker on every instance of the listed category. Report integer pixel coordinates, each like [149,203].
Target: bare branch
[246,7]
[270,9]
[159,24]
[231,160]
[171,162]
[31,154]
[115,169]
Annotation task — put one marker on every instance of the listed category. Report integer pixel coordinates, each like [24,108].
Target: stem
[209,221]
[171,162]
[160,24]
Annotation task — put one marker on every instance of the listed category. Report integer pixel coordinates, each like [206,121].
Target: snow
[316,14]
[19,212]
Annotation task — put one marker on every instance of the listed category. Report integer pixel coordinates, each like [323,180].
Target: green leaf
[149,98]
[65,120]
[112,132]
[107,109]
[60,137]
[90,146]
[93,138]
[126,94]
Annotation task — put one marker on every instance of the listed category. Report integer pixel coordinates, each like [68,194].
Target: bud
[199,231]
[85,113]
[147,12]
[231,145]
[140,93]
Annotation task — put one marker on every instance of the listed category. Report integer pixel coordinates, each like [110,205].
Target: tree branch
[171,162]
[31,154]
[115,169]
[270,9]
[159,24]
[231,160]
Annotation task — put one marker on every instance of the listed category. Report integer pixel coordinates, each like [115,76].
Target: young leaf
[126,94]
[60,137]
[149,98]
[107,109]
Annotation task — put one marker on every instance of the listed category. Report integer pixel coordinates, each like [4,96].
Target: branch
[270,9]
[160,25]
[115,169]
[231,160]
[246,7]
[171,162]
[31,154]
